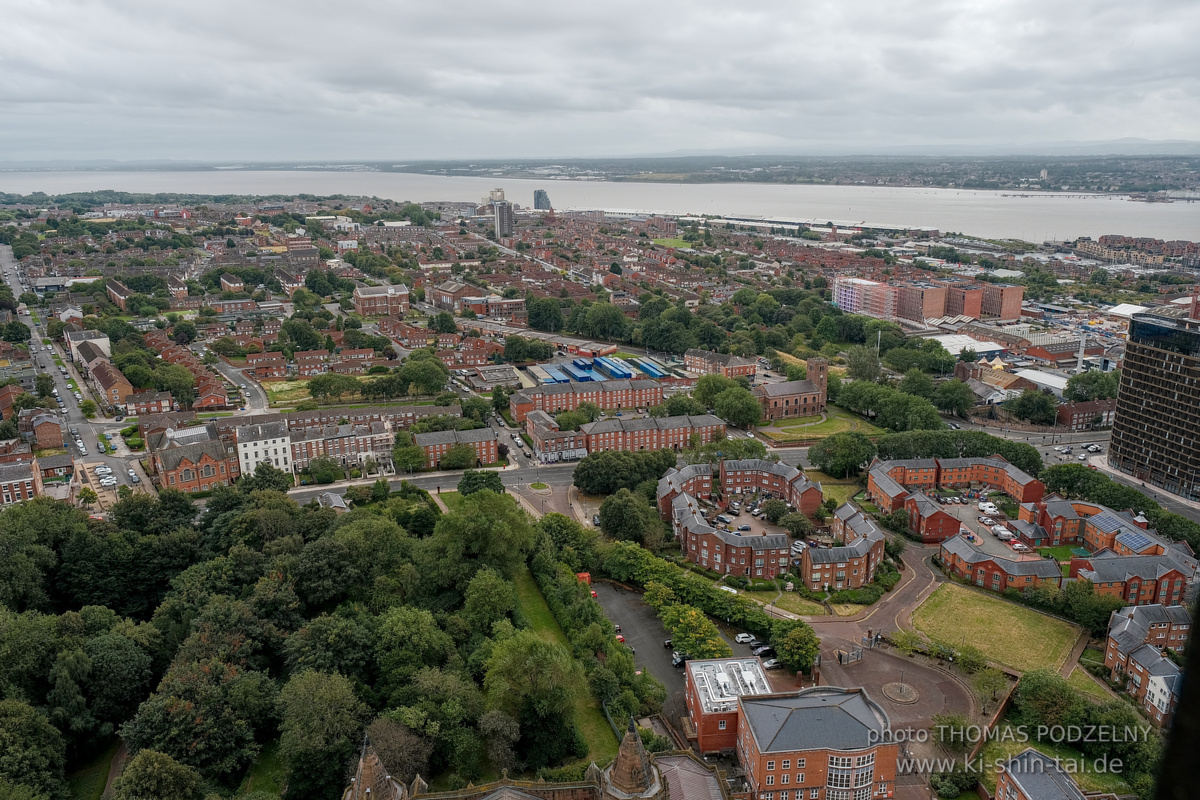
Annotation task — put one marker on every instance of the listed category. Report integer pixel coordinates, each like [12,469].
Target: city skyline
[89,82]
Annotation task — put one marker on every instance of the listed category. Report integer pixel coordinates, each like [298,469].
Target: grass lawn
[87,782]
[788,601]
[673,242]
[841,492]
[1091,655]
[1081,681]
[286,391]
[1006,633]
[453,500]
[602,744]
[1003,748]
[846,609]
[1062,553]
[266,773]
[837,421]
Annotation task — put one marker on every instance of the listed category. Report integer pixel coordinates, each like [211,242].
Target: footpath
[1100,462]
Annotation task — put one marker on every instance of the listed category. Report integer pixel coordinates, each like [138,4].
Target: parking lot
[739,518]
[985,540]
[644,632]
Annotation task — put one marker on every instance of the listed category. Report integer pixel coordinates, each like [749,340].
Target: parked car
[1019,547]
[678,659]
[667,643]
[620,638]
[724,520]
[1083,456]
[772,663]
[743,527]
[133,478]
[108,481]
[764,652]
[744,638]
[594,595]
[596,520]
[756,643]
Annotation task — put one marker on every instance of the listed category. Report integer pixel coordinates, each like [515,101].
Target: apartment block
[381,301]
[921,301]
[1002,301]
[1156,427]
[706,362]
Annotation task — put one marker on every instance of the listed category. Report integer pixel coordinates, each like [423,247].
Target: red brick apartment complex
[851,565]
[919,301]
[636,393]
[651,433]
[796,398]
[741,477]
[727,552]
[997,573]
[381,301]
[890,482]
[823,743]
[436,445]
[712,688]
[706,362]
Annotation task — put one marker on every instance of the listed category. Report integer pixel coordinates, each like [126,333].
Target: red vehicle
[620,638]
[594,593]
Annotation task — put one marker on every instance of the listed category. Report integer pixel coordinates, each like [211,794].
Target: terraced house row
[608,395]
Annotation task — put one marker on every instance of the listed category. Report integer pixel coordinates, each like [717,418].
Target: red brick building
[607,395]
[119,293]
[1031,775]
[959,557]
[436,445]
[111,386]
[652,433]
[804,398]
[919,301]
[1161,627]
[1003,301]
[706,362]
[1088,415]
[141,403]
[19,481]
[825,739]
[1138,580]
[851,565]
[381,301]
[711,689]
[264,366]
[727,552]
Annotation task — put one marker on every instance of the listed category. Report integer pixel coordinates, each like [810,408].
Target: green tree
[545,315]
[692,632]
[322,722]
[477,480]
[1092,385]
[709,386]
[88,408]
[488,530]
[1040,408]
[443,322]
[774,510]
[16,332]
[33,750]
[842,454]
[151,775]
[624,516]
[405,454]
[678,405]
[184,332]
[798,525]
[499,399]
[87,496]
[44,385]
[797,649]
[459,456]
[176,379]
[525,668]
[266,476]
[605,321]
[954,397]
[862,364]
[917,383]
[989,682]
[738,406]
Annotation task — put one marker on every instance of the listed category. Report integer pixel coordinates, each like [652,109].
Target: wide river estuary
[1032,217]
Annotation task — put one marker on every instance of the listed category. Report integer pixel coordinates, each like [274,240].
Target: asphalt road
[90,431]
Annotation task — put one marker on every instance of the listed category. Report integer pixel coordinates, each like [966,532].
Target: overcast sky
[342,81]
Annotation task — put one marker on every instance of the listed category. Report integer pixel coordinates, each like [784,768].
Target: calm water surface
[991,214]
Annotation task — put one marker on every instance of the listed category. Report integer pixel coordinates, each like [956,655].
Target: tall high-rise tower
[504,219]
[1156,429]
[541,200]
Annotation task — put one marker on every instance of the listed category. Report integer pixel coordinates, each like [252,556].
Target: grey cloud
[307,80]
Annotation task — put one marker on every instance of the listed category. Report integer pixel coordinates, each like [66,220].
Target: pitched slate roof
[172,457]
[1129,626]
[1041,778]
[823,717]
[1045,568]
[786,389]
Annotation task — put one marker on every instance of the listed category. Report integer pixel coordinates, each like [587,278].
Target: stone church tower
[632,776]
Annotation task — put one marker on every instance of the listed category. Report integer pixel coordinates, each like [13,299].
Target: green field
[1062,553]
[789,601]
[1007,633]
[673,242]
[286,392]
[841,492]
[803,428]
[602,745]
[453,500]
[88,781]
[266,774]
[1081,681]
